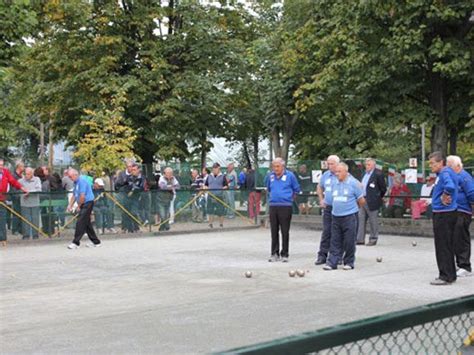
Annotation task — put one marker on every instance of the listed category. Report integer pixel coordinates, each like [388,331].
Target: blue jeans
[32,214]
[3,224]
[326,235]
[343,240]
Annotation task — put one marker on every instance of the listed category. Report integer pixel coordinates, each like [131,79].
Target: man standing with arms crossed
[324,191]
[84,197]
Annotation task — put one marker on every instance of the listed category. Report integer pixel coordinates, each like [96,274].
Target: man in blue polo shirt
[83,196]
[347,198]
[462,236]
[444,204]
[282,188]
[324,191]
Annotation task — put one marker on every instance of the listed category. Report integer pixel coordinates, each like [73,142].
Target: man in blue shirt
[324,191]
[282,188]
[462,237]
[83,196]
[347,198]
[444,204]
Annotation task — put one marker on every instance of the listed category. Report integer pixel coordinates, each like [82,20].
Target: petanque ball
[379,259]
[292,273]
[300,273]
[414,243]
[248,274]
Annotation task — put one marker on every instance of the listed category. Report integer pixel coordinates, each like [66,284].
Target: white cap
[99,182]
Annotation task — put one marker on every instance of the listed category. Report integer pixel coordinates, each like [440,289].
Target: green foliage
[107,141]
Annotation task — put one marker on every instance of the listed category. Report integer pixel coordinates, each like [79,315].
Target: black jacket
[376,189]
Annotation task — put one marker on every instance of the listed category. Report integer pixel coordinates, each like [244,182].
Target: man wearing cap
[216,182]
[282,187]
[324,191]
[84,198]
[347,198]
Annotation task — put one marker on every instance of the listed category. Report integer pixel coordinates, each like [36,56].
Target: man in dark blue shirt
[282,188]
[83,196]
[445,216]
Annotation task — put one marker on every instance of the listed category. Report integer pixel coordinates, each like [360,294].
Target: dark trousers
[462,241]
[16,222]
[343,240]
[84,224]
[326,235]
[3,223]
[443,227]
[280,219]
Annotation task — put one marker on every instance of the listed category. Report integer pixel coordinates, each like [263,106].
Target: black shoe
[35,237]
[320,261]
[25,237]
[221,225]
[440,282]
[210,225]
[372,243]
[360,243]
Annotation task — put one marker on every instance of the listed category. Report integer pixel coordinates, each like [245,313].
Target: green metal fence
[441,328]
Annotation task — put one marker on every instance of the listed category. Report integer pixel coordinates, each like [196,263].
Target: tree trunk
[255,151]
[453,140]
[203,149]
[276,142]
[439,104]
[246,155]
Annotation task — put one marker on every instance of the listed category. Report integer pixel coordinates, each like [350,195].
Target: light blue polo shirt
[82,186]
[327,181]
[345,195]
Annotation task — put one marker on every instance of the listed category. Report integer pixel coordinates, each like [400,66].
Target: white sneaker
[328,267]
[112,230]
[92,245]
[347,267]
[73,246]
[463,273]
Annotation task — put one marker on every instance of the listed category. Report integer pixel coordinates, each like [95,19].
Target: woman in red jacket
[399,200]
[6,179]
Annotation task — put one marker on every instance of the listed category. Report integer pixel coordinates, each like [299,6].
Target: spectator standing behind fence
[445,217]
[83,198]
[373,188]
[241,182]
[30,204]
[347,199]
[282,187]
[465,200]
[304,179]
[136,187]
[423,205]
[15,198]
[232,182]
[123,188]
[100,207]
[167,185]
[216,182]
[254,195]
[324,191]
[6,180]
[197,184]
[399,201]
[44,200]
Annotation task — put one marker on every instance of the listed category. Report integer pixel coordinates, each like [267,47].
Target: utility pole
[51,146]
[423,153]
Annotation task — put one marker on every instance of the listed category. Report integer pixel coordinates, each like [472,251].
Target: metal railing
[440,328]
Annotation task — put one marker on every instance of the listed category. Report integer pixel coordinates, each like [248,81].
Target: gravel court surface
[188,293]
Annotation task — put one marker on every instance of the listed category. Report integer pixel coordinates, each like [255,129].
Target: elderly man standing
[30,205]
[462,236]
[282,187]
[445,216]
[347,199]
[216,182]
[374,188]
[6,180]
[167,185]
[324,191]
[84,198]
